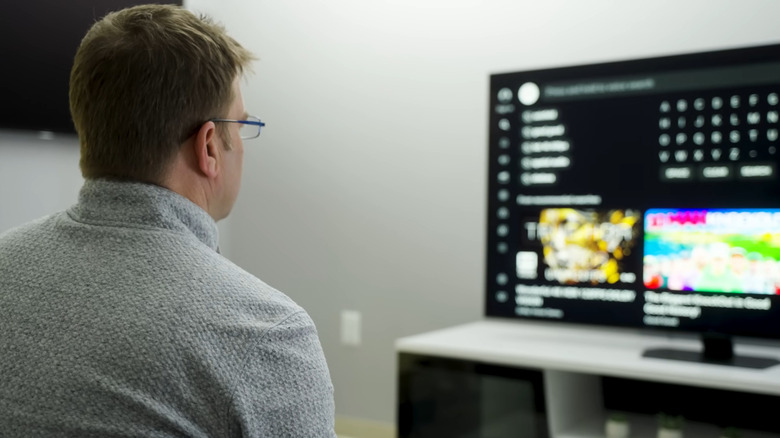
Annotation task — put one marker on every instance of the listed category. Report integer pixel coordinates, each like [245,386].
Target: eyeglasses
[250,128]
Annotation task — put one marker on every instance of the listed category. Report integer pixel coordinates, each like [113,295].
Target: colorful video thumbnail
[712,250]
[588,246]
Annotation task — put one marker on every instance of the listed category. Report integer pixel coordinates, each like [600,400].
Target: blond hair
[144,79]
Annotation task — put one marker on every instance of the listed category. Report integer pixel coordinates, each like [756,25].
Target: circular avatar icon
[528,93]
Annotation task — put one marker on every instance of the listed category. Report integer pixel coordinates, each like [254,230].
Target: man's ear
[206,149]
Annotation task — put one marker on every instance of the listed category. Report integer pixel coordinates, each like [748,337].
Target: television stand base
[696,356]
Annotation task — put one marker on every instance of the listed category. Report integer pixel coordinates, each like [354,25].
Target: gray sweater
[118,318]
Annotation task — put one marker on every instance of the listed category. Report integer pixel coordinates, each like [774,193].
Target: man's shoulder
[230,276]
[200,281]
[250,292]
[38,228]
[33,224]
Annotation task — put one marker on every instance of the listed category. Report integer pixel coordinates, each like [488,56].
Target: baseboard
[349,427]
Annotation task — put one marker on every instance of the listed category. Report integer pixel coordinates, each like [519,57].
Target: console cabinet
[501,378]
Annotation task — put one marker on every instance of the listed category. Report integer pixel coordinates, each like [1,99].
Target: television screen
[39,40]
[640,193]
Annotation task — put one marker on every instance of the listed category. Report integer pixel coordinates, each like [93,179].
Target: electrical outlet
[350,327]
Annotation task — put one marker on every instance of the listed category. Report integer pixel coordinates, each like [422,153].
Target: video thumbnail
[588,246]
[712,250]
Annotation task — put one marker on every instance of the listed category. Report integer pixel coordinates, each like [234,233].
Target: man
[119,317]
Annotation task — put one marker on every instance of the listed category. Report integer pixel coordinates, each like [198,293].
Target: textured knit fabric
[118,318]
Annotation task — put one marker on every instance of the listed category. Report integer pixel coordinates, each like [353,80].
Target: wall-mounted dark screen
[38,41]
[642,193]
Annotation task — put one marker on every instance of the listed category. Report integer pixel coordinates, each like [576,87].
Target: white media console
[574,360]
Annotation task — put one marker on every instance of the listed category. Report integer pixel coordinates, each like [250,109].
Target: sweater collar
[135,204]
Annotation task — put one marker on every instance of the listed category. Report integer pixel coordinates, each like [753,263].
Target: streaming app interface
[638,193]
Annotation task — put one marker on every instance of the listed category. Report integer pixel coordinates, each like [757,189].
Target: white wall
[37,177]
[366,190]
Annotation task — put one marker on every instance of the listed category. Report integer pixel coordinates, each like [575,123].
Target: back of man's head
[143,80]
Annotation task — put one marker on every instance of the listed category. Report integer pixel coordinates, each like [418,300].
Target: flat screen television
[38,39]
[642,193]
